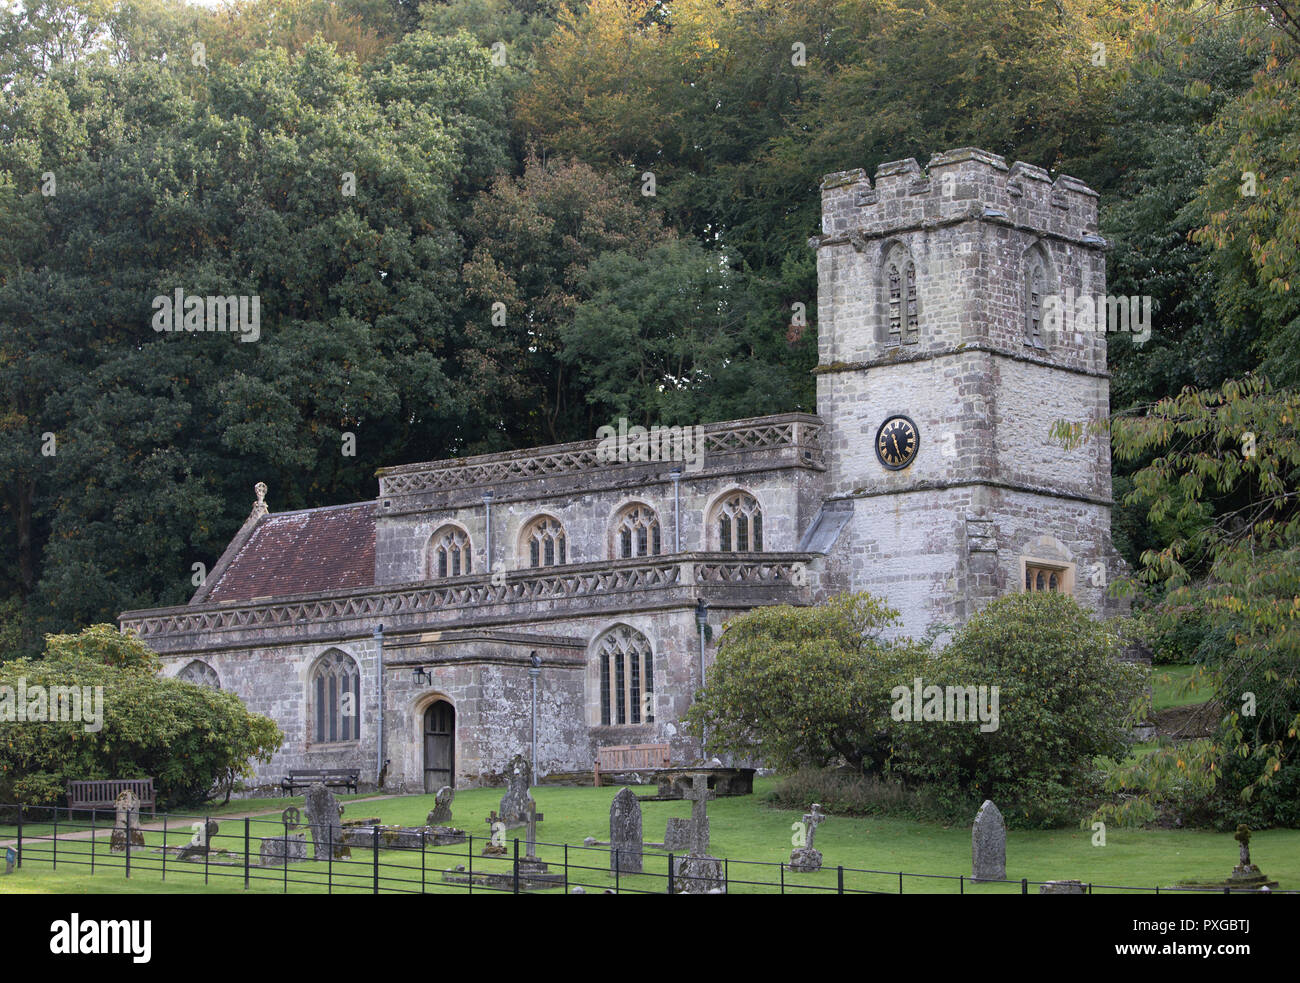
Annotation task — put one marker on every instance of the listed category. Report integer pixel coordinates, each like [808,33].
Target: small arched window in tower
[739,522]
[1034,285]
[636,532]
[544,542]
[904,308]
[335,699]
[627,673]
[1042,578]
[450,554]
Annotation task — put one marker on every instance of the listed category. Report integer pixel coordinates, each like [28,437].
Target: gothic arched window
[543,543]
[334,696]
[449,553]
[902,308]
[739,522]
[627,674]
[1035,286]
[636,532]
[200,674]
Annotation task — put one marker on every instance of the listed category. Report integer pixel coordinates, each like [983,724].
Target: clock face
[897,442]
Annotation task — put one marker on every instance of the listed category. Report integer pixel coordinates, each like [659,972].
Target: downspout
[487,525]
[379,691]
[676,475]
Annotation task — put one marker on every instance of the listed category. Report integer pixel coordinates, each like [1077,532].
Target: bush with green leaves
[187,738]
[1064,698]
[806,686]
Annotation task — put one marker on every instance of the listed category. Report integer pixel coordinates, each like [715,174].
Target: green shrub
[186,737]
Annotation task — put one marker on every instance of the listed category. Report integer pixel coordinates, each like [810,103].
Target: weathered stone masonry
[928,286]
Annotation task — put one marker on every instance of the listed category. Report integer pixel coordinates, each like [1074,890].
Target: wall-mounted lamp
[421,675]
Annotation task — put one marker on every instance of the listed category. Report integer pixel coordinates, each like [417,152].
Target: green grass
[1177,686]
[743,829]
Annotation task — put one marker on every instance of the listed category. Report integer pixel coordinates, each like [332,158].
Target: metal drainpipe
[487,523]
[379,691]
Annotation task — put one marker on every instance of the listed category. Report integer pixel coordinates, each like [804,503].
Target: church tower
[940,376]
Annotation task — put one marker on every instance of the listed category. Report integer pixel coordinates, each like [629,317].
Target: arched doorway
[439,746]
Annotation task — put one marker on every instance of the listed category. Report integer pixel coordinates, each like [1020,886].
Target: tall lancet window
[903,305]
[1035,282]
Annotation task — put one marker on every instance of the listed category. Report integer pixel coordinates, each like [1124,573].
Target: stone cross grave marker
[495,834]
[807,858]
[988,845]
[699,794]
[625,832]
[534,817]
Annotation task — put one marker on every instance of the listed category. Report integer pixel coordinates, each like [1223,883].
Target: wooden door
[439,746]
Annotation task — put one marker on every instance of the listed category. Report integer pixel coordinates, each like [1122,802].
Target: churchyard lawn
[743,829]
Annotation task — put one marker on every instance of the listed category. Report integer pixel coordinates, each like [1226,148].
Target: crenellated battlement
[958,185]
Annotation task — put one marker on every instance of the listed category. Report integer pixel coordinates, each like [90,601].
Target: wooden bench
[103,793]
[630,757]
[330,777]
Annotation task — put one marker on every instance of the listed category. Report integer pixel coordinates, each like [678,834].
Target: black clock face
[897,442]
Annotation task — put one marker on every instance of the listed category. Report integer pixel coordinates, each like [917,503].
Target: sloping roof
[302,553]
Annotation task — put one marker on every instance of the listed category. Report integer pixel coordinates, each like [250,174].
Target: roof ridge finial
[259,507]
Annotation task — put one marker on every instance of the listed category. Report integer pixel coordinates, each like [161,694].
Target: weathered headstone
[128,816]
[441,813]
[1061,887]
[323,816]
[625,832]
[697,872]
[988,839]
[514,804]
[807,858]
[201,843]
[278,850]
[496,842]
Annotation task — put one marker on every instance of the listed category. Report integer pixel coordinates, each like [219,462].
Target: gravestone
[807,858]
[697,872]
[441,813]
[1061,887]
[530,864]
[128,814]
[11,858]
[323,817]
[988,838]
[278,850]
[514,804]
[200,844]
[496,844]
[625,832]
[1246,874]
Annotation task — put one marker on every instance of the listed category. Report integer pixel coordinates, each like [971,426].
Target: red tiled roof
[302,553]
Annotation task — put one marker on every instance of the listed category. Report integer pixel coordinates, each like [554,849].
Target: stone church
[411,629]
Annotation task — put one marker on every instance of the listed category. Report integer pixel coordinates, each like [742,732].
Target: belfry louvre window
[1034,306]
[450,553]
[336,699]
[740,524]
[636,532]
[545,543]
[626,678]
[904,310]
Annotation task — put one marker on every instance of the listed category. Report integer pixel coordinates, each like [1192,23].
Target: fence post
[92,841]
[670,873]
[616,870]
[726,876]
[246,849]
[20,836]
[424,843]
[516,865]
[471,863]
[566,868]
[900,882]
[128,843]
[783,877]
[1024,885]
[961,884]
[840,880]
[56,838]
[207,851]
[375,854]
[329,857]
[284,855]
[164,855]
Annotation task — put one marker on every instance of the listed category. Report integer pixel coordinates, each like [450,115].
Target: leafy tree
[806,686]
[1063,699]
[186,737]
